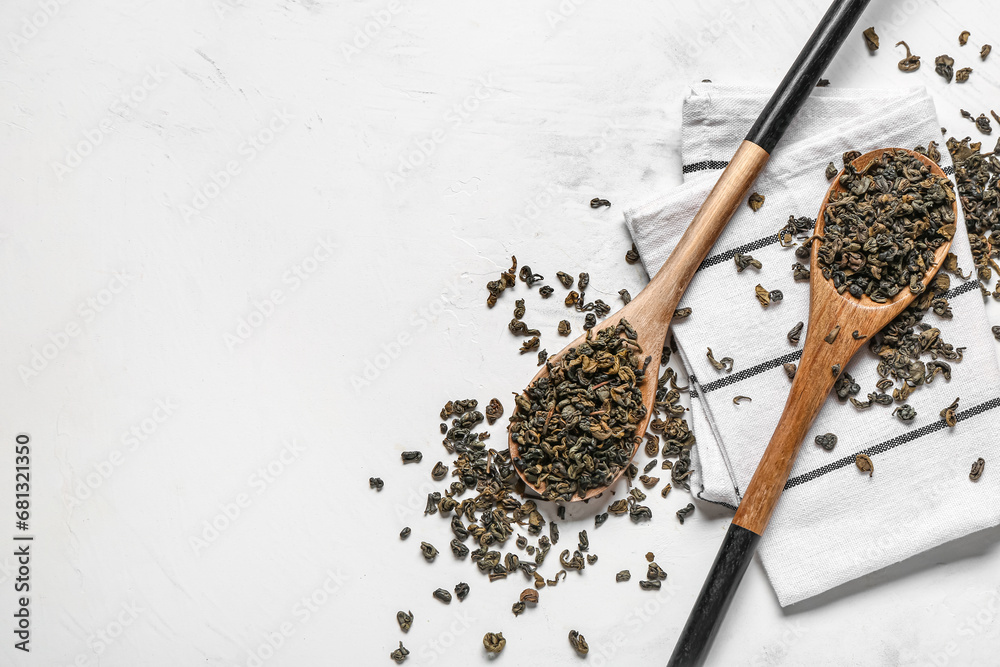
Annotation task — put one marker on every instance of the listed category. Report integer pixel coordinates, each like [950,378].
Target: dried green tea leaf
[789,370]
[405,620]
[962,75]
[832,336]
[831,171]
[726,363]
[910,63]
[977,470]
[683,512]
[578,642]
[948,414]
[755,201]
[864,464]
[624,575]
[943,65]
[827,441]
[375,483]
[985,51]
[763,296]
[494,642]
[905,412]
[795,333]
[871,39]
[399,655]
[963,37]
[632,256]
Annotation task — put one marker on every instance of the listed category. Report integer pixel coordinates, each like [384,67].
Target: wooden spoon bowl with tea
[824,355]
[826,352]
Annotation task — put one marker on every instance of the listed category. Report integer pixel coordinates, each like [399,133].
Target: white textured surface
[576,100]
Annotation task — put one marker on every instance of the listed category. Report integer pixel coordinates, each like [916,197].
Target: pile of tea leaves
[575,428]
[881,230]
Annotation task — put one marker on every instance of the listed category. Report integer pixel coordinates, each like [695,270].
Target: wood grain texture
[651,310]
[814,378]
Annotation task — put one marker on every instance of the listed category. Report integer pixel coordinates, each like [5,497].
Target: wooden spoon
[812,383]
[651,310]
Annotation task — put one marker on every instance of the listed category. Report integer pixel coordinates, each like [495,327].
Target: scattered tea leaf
[871,39]
[977,470]
[864,464]
[755,201]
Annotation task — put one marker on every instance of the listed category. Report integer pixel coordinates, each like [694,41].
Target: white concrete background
[130,269]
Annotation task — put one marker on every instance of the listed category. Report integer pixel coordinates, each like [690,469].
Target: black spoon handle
[740,543]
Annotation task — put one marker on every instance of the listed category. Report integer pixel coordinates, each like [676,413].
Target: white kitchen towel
[834,523]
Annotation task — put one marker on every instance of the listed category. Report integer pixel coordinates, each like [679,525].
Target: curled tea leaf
[871,39]
[963,38]
[428,551]
[977,470]
[399,655]
[864,464]
[597,202]
[681,313]
[962,75]
[683,512]
[985,51]
[564,327]
[832,336]
[632,256]
[755,201]
[789,370]
[494,642]
[461,590]
[626,297]
[948,414]
[403,534]
[726,363]
[743,261]
[529,345]
[831,170]
[439,471]
[375,483]
[905,412]
[494,410]
[624,575]
[827,441]
[650,585]
[910,63]
[405,620]
[737,399]
[583,281]
[665,490]
[763,296]
[565,279]
[577,641]
[856,335]
[545,291]
[943,65]
[795,333]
